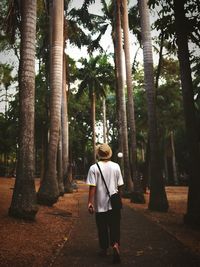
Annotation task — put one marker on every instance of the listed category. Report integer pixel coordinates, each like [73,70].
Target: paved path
[143,244]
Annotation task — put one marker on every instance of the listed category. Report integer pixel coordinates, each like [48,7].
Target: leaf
[139,253]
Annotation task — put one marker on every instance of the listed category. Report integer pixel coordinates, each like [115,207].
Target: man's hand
[90,208]
[92,190]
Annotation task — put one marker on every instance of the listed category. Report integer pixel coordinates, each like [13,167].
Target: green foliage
[7,136]
[42,33]
[87,3]
[112,123]
[169,107]
[8,120]
[95,74]
[165,21]
[10,23]
[80,132]
[76,35]
[96,24]
[196,86]
[182,155]
[169,98]
[6,77]
[41,104]
[140,102]
[134,22]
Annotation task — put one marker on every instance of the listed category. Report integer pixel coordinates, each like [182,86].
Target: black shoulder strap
[103,179]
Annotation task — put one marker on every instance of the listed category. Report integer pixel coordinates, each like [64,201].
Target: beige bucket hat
[103,151]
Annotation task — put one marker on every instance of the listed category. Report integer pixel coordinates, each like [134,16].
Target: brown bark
[192,216]
[121,98]
[158,199]
[48,193]
[24,204]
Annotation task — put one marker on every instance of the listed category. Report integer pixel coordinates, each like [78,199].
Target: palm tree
[76,36]
[121,94]
[48,192]
[65,130]
[130,108]
[112,16]
[60,166]
[94,74]
[90,82]
[107,78]
[24,204]
[104,121]
[158,199]
[173,158]
[192,216]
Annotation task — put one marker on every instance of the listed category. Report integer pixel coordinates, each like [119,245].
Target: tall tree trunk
[45,128]
[118,116]
[158,199]
[60,167]
[48,192]
[137,196]
[65,131]
[166,163]
[120,138]
[130,108]
[121,99]
[160,60]
[44,143]
[173,158]
[67,177]
[93,109]
[24,202]
[192,216]
[104,121]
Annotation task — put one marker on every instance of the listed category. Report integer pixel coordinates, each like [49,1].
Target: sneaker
[116,255]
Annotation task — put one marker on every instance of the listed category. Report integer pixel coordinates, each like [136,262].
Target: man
[107,220]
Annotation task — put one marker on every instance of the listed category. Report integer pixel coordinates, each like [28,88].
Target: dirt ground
[37,243]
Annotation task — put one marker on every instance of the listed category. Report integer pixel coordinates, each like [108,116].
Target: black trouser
[108,226]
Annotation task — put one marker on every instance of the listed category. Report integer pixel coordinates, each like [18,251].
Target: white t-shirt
[113,178]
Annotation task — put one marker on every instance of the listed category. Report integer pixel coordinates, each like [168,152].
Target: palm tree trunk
[65,131]
[120,138]
[67,177]
[137,196]
[24,202]
[60,167]
[93,108]
[173,158]
[130,109]
[121,98]
[158,199]
[166,164]
[104,121]
[192,216]
[48,192]
[44,143]
[45,129]
[160,60]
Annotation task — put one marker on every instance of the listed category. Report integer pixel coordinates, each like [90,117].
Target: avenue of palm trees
[147,111]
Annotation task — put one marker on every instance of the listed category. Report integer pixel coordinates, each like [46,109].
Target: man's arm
[92,190]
